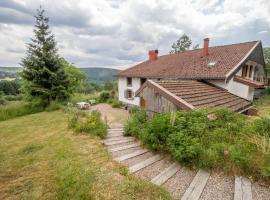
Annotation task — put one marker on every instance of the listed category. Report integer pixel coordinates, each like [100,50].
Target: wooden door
[143,103]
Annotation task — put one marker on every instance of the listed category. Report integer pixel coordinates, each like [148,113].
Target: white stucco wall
[122,87]
[236,88]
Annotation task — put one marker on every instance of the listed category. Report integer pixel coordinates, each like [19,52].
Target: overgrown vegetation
[88,123]
[17,109]
[220,140]
[41,159]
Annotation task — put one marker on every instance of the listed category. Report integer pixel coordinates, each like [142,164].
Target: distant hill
[8,73]
[99,75]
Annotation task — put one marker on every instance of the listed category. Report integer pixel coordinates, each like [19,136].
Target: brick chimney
[205,46]
[153,55]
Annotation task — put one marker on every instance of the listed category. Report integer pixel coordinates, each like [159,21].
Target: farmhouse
[229,76]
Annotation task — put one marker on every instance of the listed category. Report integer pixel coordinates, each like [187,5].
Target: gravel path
[153,170]
[178,184]
[218,186]
[260,192]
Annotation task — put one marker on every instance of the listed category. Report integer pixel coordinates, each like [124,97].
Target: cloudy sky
[119,33]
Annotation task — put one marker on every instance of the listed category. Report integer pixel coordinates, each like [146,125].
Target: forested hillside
[99,75]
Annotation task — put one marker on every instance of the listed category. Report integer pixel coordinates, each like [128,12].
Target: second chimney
[205,47]
[153,55]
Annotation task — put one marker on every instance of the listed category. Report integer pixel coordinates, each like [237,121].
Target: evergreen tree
[43,75]
[182,44]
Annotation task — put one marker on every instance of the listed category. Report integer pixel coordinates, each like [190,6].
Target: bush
[116,104]
[184,148]
[104,97]
[157,131]
[136,123]
[88,123]
[223,140]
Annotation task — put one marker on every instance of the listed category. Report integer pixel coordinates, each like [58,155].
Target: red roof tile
[192,65]
[190,94]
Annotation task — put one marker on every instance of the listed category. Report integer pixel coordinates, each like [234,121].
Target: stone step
[131,155]
[119,141]
[166,174]
[116,139]
[197,185]
[242,188]
[144,163]
[129,146]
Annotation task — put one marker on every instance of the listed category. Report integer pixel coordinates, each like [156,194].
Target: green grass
[16,109]
[263,106]
[41,159]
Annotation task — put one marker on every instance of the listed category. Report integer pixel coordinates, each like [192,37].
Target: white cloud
[115,33]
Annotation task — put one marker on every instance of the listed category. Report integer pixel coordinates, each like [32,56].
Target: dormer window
[129,81]
[247,71]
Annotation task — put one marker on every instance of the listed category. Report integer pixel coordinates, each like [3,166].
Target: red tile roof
[190,94]
[192,65]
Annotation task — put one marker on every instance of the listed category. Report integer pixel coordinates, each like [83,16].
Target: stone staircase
[182,183]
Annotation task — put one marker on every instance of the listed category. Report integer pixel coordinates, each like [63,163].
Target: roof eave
[239,64]
[180,103]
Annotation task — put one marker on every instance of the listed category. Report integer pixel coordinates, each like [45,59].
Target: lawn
[41,159]
[263,106]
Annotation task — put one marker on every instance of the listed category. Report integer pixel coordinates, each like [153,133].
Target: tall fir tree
[43,74]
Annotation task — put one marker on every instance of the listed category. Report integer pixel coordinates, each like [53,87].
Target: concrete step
[196,187]
[131,155]
[124,147]
[108,143]
[242,189]
[144,163]
[166,174]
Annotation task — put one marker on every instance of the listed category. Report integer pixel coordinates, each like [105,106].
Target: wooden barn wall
[155,102]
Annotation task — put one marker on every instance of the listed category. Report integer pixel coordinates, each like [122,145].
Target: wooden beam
[196,187]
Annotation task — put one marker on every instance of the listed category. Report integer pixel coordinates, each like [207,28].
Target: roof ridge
[187,51]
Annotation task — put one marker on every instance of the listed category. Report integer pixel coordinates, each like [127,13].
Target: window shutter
[125,94]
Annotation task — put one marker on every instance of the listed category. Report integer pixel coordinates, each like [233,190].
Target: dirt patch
[115,117]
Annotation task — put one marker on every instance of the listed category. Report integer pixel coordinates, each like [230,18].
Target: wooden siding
[156,103]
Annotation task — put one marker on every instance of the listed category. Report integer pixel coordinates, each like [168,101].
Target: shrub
[226,140]
[104,97]
[136,123]
[88,123]
[116,104]
[157,131]
[184,148]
